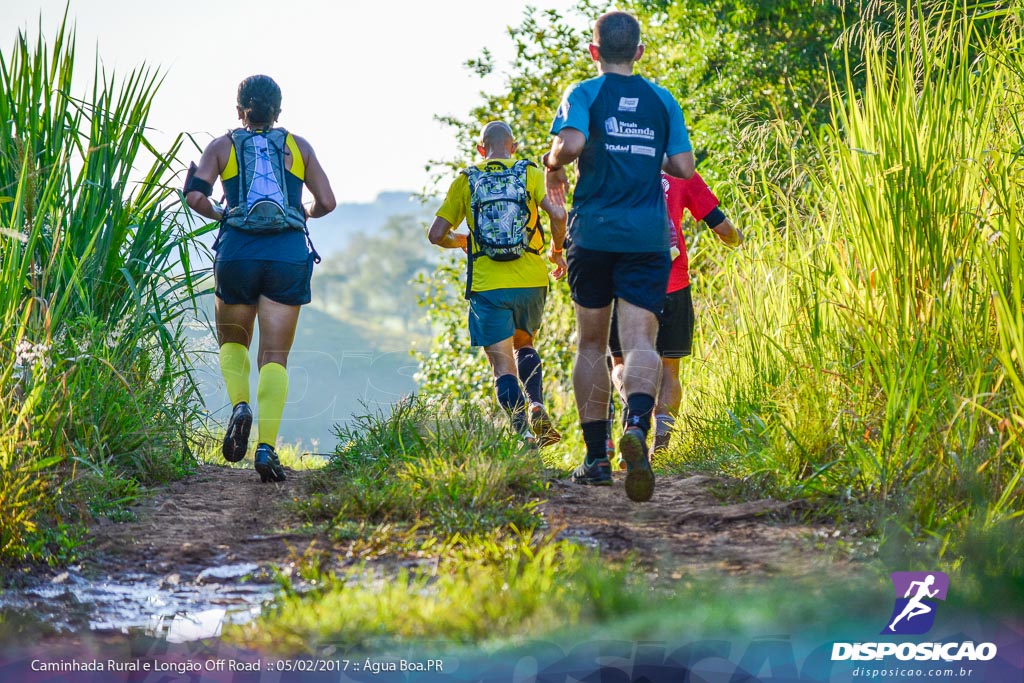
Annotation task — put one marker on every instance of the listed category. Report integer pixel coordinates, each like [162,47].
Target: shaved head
[496,134]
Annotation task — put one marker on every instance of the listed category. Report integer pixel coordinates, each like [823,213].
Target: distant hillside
[333,232]
[335,370]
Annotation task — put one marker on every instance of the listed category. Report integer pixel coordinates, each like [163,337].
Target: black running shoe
[639,476]
[267,464]
[236,439]
[597,473]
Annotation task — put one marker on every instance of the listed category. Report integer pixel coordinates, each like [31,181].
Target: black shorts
[242,282]
[675,327]
[596,278]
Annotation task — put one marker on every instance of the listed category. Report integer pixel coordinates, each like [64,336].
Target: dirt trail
[686,529]
[217,516]
[202,545]
[222,515]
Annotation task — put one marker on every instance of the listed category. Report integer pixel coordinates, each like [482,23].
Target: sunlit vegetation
[428,464]
[95,395]
[864,348]
[864,351]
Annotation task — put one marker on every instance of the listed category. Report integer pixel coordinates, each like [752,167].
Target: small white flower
[27,353]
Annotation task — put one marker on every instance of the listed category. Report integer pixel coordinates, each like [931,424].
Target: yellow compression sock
[271,393]
[234,365]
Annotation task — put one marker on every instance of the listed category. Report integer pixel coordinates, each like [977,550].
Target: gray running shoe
[639,476]
[597,473]
[660,442]
[530,442]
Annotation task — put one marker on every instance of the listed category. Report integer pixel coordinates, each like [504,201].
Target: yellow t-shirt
[529,270]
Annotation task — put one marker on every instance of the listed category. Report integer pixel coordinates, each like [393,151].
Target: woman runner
[264,260]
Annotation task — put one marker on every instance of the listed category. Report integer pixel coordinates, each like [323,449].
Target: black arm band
[714,218]
[199,185]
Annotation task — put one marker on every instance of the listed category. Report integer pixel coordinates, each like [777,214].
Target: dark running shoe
[267,464]
[597,473]
[542,426]
[639,476]
[236,439]
[660,443]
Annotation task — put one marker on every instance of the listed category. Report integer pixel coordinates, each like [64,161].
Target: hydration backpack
[501,214]
[262,204]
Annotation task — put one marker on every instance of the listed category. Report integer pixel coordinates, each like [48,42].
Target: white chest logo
[628,103]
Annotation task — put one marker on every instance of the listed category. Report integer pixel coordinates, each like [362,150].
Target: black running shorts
[675,327]
[242,282]
[596,278]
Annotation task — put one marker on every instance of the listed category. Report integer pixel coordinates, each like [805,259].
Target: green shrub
[430,464]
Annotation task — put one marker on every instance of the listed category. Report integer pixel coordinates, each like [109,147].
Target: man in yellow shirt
[507,278]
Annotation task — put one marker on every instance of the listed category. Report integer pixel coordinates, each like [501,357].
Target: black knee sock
[531,373]
[594,436]
[639,409]
[510,397]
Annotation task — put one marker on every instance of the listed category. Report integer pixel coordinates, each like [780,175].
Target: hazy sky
[360,80]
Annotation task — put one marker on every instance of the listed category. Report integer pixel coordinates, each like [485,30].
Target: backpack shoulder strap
[520,168]
[473,175]
[239,135]
[238,138]
[277,137]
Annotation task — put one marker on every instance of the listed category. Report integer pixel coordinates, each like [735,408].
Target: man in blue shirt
[622,130]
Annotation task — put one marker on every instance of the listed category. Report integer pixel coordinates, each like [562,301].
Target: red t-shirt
[695,196]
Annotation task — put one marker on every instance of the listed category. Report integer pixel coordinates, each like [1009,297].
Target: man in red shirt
[675,330]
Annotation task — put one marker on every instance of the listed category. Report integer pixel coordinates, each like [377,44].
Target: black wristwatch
[544,161]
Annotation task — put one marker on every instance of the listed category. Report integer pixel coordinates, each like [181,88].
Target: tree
[372,277]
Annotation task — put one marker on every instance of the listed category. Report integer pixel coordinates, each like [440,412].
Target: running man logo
[916,593]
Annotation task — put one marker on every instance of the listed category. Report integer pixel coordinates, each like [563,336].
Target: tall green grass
[95,390]
[866,344]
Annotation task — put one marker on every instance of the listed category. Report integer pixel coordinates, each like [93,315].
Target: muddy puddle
[583,537]
[174,607]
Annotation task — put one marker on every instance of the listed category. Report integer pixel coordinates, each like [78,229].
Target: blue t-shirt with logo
[630,124]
